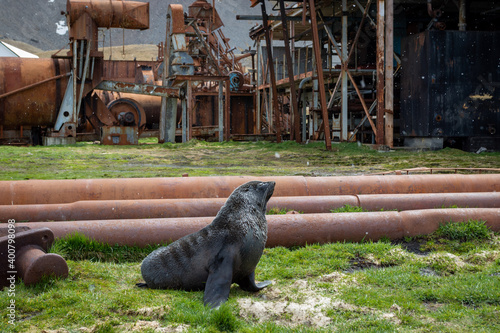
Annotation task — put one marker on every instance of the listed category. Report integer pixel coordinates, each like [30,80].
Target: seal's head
[251,196]
[255,193]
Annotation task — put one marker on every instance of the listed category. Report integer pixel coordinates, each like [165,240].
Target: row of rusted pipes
[154,211]
[283,230]
[171,208]
[66,191]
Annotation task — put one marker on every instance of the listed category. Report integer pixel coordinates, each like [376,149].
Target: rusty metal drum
[31,91]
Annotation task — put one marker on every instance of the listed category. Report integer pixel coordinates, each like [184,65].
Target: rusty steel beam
[272,75]
[141,89]
[283,230]
[321,79]
[71,190]
[380,71]
[389,73]
[289,63]
[169,208]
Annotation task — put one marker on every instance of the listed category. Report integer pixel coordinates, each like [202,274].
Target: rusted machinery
[199,83]
[54,98]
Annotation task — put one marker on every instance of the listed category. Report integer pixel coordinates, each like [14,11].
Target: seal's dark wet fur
[226,251]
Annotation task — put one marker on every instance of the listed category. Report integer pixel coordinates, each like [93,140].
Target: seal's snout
[270,189]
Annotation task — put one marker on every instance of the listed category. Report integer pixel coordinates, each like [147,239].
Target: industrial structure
[186,93]
[419,73]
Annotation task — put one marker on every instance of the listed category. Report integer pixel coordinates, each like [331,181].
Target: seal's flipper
[248,283]
[220,278]
[142,285]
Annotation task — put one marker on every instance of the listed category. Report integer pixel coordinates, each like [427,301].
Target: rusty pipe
[110,13]
[159,208]
[28,250]
[31,91]
[34,264]
[167,208]
[65,191]
[283,230]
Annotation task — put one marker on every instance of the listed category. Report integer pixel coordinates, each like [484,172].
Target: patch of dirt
[280,309]
[447,257]
[358,264]
[154,312]
[142,325]
[303,304]
[139,326]
[428,272]
[483,257]
[413,246]
[433,306]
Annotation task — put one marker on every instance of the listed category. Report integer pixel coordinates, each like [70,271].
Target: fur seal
[225,251]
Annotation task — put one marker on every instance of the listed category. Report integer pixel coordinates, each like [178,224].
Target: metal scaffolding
[334,94]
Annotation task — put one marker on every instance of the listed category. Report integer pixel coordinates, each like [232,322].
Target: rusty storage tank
[31,91]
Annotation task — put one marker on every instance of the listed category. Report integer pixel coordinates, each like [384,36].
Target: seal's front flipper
[220,278]
[142,285]
[248,283]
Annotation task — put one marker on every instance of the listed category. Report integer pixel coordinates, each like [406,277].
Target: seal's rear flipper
[142,285]
[219,281]
[248,283]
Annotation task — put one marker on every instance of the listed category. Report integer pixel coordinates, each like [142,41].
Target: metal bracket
[66,109]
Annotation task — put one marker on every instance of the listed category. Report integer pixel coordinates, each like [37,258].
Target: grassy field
[199,158]
[445,282]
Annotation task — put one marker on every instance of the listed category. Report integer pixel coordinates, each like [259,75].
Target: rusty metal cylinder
[31,91]
[283,230]
[166,208]
[151,105]
[33,264]
[65,191]
[111,13]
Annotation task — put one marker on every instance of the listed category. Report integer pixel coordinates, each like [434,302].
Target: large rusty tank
[31,91]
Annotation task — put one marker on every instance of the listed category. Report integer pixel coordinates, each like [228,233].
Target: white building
[7,50]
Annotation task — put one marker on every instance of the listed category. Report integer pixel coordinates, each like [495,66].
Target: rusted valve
[26,257]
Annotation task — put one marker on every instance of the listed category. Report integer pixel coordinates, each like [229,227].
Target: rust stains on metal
[321,79]
[283,230]
[144,89]
[119,135]
[32,262]
[23,82]
[110,14]
[64,191]
[169,208]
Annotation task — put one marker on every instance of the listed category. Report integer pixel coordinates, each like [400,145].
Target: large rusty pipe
[283,230]
[32,91]
[65,191]
[110,13]
[166,208]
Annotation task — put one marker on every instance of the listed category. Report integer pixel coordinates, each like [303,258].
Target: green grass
[79,247]
[348,209]
[464,231]
[200,158]
[392,293]
[372,286]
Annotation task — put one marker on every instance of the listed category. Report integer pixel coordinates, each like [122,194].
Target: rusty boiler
[31,91]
